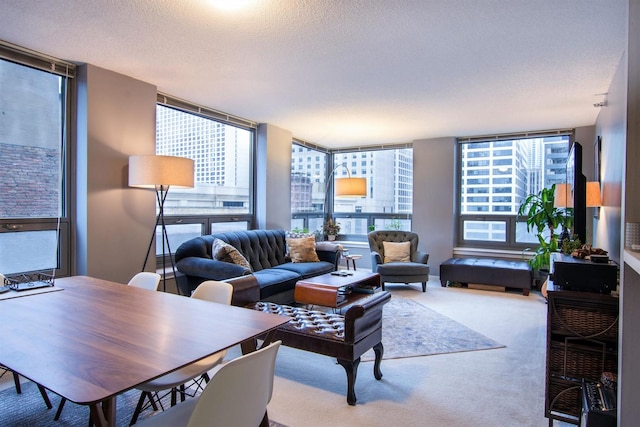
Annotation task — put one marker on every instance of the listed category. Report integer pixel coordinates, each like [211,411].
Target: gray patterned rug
[29,410]
[410,329]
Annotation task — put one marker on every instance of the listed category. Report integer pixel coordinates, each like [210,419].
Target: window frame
[64,223]
[206,220]
[511,221]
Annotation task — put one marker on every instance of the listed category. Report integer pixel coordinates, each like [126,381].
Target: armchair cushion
[397,252]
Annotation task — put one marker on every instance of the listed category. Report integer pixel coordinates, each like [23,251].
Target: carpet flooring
[29,410]
[410,329]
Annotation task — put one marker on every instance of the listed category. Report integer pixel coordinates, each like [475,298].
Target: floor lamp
[345,187]
[161,173]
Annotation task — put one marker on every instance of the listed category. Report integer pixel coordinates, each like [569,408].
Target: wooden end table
[331,290]
[353,259]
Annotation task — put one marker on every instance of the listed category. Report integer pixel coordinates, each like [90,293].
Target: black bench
[486,271]
[345,337]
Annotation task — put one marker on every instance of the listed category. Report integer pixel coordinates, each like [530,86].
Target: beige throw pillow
[397,252]
[223,251]
[303,249]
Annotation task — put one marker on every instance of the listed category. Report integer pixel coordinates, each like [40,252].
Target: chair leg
[16,381]
[378,349]
[45,396]
[138,409]
[59,411]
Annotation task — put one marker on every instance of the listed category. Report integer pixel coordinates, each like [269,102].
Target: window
[34,225]
[389,200]
[496,176]
[308,188]
[222,150]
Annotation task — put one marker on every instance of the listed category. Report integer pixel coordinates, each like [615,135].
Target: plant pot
[331,237]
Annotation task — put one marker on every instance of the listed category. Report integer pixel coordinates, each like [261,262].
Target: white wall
[116,118]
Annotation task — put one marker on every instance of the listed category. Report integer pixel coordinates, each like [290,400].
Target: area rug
[410,329]
[28,409]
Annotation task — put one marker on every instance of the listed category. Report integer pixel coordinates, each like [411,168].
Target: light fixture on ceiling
[160,173]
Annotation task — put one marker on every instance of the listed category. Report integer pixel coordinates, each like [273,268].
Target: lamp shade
[562,197]
[351,187]
[150,171]
[593,194]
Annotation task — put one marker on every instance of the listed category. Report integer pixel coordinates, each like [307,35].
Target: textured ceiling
[341,73]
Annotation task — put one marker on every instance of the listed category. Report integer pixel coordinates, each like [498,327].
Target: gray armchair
[412,269]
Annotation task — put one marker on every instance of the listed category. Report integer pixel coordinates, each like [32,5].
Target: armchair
[403,262]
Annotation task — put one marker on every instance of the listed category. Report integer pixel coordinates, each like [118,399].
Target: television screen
[577,192]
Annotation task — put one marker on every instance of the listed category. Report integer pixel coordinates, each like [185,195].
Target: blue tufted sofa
[266,251]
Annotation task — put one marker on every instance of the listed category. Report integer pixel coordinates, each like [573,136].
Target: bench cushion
[486,271]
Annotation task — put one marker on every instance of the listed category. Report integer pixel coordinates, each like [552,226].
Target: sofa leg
[525,292]
[424,286]
[443,283]
[379,351]
[351,368]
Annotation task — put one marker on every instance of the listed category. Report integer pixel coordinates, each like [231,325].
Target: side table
[353,259]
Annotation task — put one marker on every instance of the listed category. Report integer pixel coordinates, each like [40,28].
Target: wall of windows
[389,200]
[496,175]
[222,198]
[35,95]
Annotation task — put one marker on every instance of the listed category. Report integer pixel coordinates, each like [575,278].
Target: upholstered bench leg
[352,370]
[379,350]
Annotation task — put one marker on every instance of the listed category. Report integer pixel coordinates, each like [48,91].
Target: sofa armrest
[211,269]
[376,260]
[365,316]
[329,252]
[245,290]
[420,257]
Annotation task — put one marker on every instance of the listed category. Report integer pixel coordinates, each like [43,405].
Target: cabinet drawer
[579,360]
[583,322]
[563,397]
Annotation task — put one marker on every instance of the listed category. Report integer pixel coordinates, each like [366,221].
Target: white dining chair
[146,280]
[195,373]
[236,396]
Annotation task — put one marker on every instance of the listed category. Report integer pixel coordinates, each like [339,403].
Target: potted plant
[331,228]
[542,215]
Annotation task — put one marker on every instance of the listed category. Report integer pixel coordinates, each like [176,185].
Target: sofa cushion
[303,249]
[223,251]
[273,281]
[307,269]
[397,251]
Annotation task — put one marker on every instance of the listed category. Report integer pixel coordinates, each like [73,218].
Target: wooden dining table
[92,339]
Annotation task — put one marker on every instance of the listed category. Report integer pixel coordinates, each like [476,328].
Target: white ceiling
[341,73]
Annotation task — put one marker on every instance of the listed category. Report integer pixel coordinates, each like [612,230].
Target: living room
[106,97]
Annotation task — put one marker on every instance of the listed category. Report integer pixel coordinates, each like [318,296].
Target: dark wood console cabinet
[582,342]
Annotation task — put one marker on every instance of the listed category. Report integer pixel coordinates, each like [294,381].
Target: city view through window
[222,168]
[389,200]
[496,177]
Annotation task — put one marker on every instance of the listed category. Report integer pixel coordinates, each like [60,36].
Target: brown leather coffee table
[332,290]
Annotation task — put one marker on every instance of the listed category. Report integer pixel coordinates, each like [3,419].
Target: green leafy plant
[395,224]
[542,215]
[569,245]
[372,227]
[299,230]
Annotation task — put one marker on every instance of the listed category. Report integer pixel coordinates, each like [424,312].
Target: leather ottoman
[486,271]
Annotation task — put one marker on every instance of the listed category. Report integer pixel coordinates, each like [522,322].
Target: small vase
[331,237]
